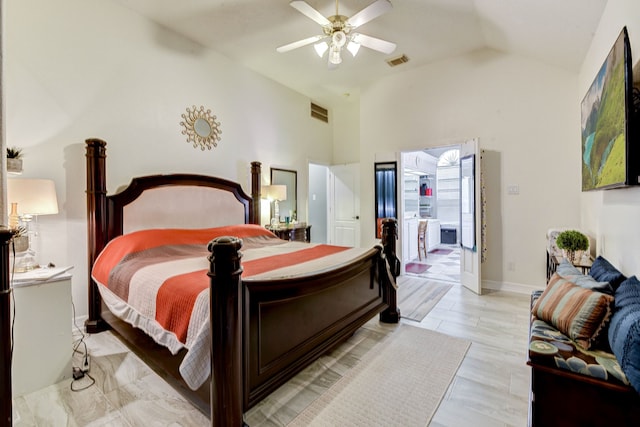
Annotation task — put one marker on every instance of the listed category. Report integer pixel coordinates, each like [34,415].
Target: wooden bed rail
[96,223]
[226,332]
[392,267]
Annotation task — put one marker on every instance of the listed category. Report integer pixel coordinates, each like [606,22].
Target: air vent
[319,113]
[393,62]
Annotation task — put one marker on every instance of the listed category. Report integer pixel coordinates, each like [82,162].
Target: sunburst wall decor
[201,128]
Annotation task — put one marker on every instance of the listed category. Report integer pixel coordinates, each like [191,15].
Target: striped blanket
[156,280]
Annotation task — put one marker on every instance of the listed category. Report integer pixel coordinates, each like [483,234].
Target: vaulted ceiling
[556,32]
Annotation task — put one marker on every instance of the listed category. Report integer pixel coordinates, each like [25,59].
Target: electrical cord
[83,371]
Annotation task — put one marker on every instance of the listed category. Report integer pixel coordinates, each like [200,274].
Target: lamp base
[25,261]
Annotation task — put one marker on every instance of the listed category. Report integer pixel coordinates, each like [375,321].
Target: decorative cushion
[569,272]
[603,271]
[624,337]
[577,312]
[628,293]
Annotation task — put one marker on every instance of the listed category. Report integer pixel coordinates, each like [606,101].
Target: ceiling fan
[338,31]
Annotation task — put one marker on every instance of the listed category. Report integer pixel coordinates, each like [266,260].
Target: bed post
[96,222]
[391,267]
[255,193]
[226,332]
[6,401]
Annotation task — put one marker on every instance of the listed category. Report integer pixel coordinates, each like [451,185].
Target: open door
[470,224]
[344,190]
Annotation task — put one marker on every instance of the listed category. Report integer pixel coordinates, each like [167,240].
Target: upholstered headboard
[189,207]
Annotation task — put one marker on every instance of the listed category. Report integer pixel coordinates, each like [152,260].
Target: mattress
[156,280]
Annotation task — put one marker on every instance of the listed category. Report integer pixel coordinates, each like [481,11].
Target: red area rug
[441,251]
[415,268]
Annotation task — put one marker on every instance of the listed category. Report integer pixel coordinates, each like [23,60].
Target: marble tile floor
[489,389]
[444,268]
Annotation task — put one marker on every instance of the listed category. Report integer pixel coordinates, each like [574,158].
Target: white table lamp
[33,197]
[277,193]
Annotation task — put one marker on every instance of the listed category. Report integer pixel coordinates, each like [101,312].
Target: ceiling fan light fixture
[334,55]
[353,48]
[338,31]
[339,38]
[321,48]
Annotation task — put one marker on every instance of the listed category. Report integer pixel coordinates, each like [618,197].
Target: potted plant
[572,243]
[14,160]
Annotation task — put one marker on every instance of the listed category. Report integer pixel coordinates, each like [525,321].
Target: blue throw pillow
[569,272]
[628,294]
[603,271]
[624,337]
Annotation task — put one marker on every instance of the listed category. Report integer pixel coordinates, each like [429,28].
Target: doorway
[430,196]
[334,204]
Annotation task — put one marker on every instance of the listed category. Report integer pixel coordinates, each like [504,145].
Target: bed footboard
[251,356]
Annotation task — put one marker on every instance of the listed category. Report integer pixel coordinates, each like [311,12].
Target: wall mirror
[385,193]
[467,202]
[288,207]
[201,128]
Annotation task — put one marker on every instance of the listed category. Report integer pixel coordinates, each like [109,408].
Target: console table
[583,263]
[299,232]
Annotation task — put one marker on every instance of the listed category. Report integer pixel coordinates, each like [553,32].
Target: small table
[43,344]
[299,232]
[584,263]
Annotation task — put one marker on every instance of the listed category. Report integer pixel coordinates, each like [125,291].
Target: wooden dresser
[300,232]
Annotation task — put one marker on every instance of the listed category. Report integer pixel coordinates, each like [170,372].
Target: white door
[470,276]
[344,190]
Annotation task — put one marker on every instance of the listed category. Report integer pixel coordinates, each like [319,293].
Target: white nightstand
[42,329]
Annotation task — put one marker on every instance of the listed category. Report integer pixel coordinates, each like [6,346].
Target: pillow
[603,271]
[579,313]
[628,293]
[624,337]
[569,272]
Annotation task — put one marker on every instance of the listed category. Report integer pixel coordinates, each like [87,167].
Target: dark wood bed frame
[250,355]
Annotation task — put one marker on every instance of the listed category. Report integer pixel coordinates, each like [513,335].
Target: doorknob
[356,217]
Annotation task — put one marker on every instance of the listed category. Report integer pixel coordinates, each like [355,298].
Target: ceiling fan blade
[304,8]
[299,43]
[370,12]
[374,43]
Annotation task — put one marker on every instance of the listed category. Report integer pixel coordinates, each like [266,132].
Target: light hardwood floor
[489,389]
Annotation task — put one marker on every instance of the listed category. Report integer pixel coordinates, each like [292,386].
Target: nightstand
[43,340]
[299,232]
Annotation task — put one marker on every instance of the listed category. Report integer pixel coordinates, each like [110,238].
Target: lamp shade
[275,192]
[33,196]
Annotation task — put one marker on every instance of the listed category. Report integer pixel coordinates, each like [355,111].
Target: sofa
[584,348]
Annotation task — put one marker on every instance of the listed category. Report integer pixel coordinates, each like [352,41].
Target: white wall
[526,118]
[77,69]
[612,216]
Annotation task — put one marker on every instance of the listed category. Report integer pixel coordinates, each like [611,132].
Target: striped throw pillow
[579,313]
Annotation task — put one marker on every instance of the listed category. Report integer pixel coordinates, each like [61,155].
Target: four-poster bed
[250,356]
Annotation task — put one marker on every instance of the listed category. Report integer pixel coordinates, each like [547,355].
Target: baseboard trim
[518,288]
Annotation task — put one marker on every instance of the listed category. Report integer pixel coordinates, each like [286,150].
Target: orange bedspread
[173,264]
